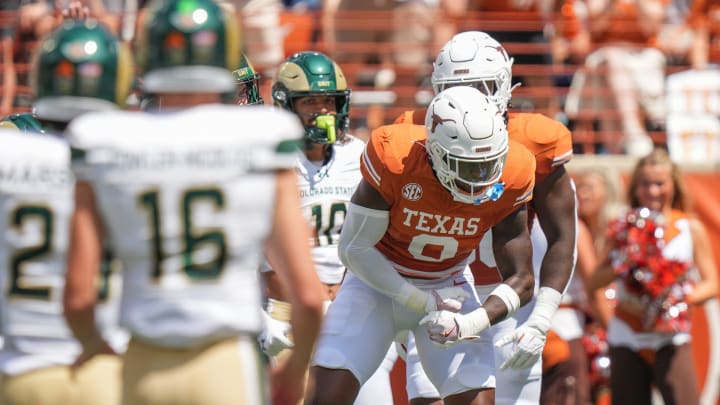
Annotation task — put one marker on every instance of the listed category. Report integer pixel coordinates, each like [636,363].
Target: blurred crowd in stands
[607,68]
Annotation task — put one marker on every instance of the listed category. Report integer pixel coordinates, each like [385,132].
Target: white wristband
[508,296]
[470,325]
[547,302]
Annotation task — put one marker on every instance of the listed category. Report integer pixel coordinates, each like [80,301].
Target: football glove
[447,328]
[529,341]
[275,336]
[529,338]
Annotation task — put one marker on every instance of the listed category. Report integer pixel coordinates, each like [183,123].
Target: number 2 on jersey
[192,238]
[20,217]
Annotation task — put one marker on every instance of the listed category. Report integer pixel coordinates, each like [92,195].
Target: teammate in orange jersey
[475,59]
[426,198]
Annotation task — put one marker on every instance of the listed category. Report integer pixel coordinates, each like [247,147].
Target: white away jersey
[187,198]
[36,199]
[36,202]
[325,191]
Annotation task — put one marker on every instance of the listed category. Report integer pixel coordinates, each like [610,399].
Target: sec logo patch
[412,191]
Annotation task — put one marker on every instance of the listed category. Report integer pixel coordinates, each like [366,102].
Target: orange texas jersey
[549,140]
[430,235]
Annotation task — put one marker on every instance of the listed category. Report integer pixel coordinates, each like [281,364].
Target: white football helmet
[467,141]
[474,58]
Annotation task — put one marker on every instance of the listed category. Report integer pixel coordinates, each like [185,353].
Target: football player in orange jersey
[475,59]
[427,196]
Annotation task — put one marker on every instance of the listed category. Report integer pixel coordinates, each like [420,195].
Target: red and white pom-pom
[638,261]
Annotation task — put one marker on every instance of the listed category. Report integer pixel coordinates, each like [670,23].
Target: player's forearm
[501,303]
[84,261]
[80,297]
[513,253]
[514,260]
[523,284]
[556,213]
[372,267]
[306,322]
[82,325]
[362,230]
[557,265]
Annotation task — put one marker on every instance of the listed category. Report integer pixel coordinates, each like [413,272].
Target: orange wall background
[705,191]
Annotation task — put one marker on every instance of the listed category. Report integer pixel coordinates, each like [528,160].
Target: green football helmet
[79,67]
[314,74]
[248,83]
[25,122]
[188,46]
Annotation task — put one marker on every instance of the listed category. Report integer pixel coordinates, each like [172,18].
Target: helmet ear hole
[280,96]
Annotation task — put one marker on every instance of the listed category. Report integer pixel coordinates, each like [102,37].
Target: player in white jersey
[189,208]
[313,86]
[36,196]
